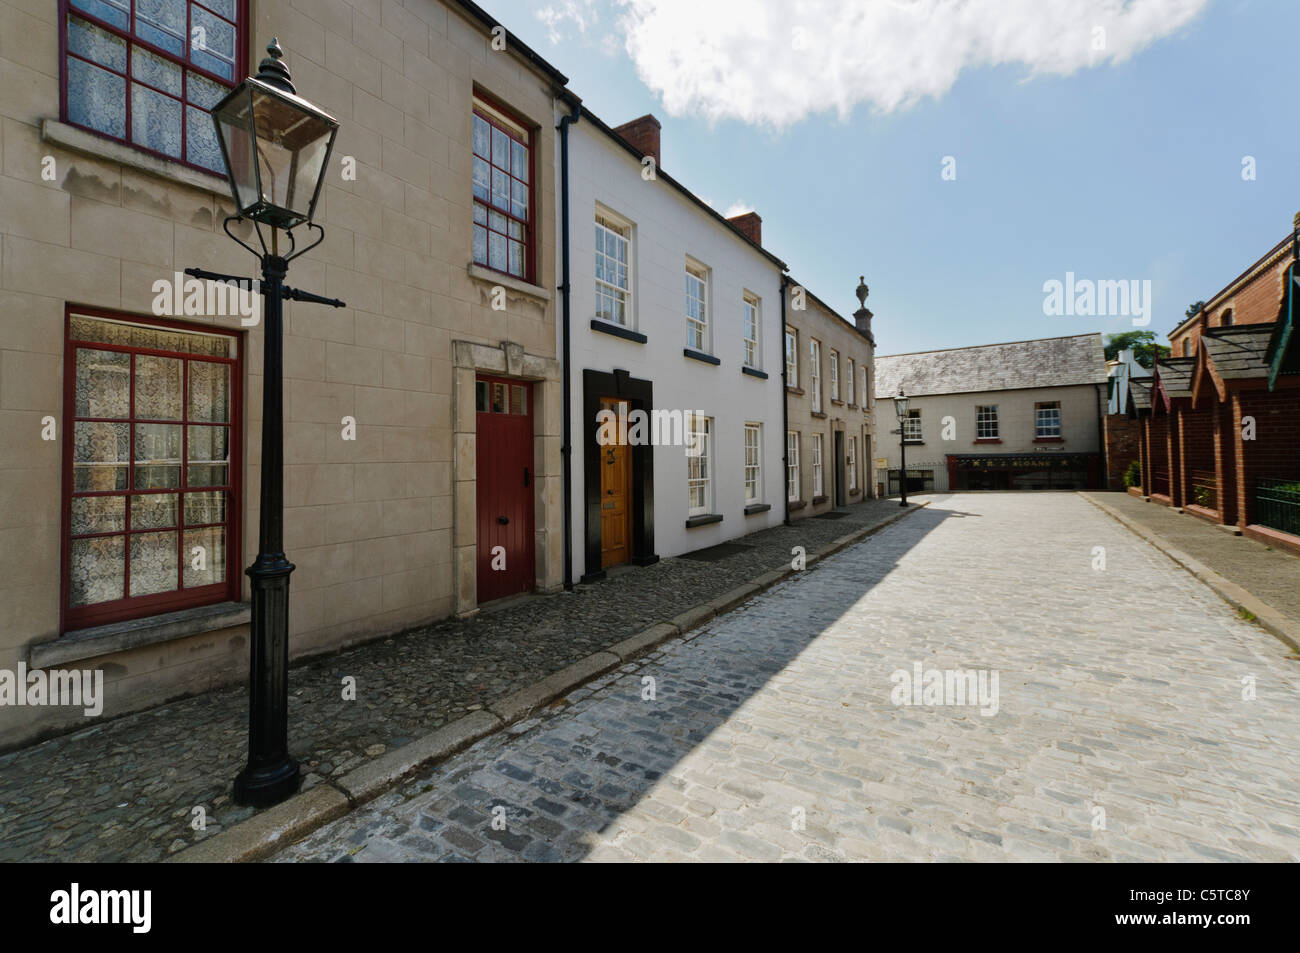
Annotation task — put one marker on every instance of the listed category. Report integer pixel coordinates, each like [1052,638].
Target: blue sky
[833,124]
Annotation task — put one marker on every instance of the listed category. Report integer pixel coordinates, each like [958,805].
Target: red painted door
[504,457]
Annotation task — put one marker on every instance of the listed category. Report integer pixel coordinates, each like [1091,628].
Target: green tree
[1141,343]
[1194,309]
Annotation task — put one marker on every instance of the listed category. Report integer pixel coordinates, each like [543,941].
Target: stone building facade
[830,433]
[129,429]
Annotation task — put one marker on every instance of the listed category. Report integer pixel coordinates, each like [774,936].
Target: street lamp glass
[276,146]
[900,405]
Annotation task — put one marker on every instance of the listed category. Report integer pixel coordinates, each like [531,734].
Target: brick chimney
[643,135]
[750,225]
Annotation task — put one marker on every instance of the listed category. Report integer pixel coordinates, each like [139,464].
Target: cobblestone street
[1137,719]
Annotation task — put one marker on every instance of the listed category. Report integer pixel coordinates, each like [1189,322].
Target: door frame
[527,496]
[639,395]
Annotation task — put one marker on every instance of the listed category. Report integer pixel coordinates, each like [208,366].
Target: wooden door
[615,493]
[504,487]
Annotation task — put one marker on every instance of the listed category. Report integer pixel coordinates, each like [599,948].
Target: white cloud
[554,16]
[737,208]
[773,62]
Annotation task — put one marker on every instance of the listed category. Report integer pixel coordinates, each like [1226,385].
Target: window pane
[516,259]
[157,456]
[482,178]
[155,121]
[500,149]
[153,511]
[224,7]
[212,43]
[519,162]
[156,71]
[96,573]
[116,12]
[162,23]
[209,391]
[497,221]
[480,396]
[201,146]
[100,46]
[100,454]
[208,450]
[96,99]
[207,507]
[480,214]
[202,92]
[157,388]
[482,138]
[98,514]
[480,244]
[500,189]
[497,251]
[212,556]
[103,383]
[518,400]
[153,563]
[518,200]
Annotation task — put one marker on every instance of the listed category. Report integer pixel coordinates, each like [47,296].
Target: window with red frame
[147,72]
[503,227]
[151,450]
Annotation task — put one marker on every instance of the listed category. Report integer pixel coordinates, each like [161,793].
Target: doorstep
[277,827]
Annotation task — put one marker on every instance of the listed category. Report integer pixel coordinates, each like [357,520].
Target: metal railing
[1160,481]
[1205,489]
[1277,505]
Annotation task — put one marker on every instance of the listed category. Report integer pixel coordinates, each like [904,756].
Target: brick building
[1222,438]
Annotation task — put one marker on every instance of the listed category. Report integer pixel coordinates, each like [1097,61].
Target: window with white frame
[986,422]
[835,374]
[791,357]
[699,468]
[750,305]
[792,465]
[613,270]
[753,463]
[815,372]
[851,462]
[912,427]
[1047,420]
[697,321]
[818,484]
[849,371]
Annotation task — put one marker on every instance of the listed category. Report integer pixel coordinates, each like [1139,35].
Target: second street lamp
[901,403]
[276,147]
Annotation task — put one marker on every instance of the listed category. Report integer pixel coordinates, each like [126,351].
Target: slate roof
[1238,351]
[1139,392]
[1044,362]
[1176,375]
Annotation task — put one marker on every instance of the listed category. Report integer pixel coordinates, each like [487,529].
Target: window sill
[1049,440]
[836,402]
[704,520]
[988,440]
[852,406]
[618,331]
[854,492]
[487,275]
[914,443]
[819,414]
[797,391]
[757,508]
[82,140]
[702,358]
[819,500]
[101,640]
[797,505]
[754,372]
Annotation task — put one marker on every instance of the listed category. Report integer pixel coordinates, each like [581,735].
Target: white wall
[668,227]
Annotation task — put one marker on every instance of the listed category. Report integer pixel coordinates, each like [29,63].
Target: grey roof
[1045,362]
[1176,375]
[1139,392]
[1238,351]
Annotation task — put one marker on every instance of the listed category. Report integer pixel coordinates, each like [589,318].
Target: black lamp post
[276,147]
[900,410]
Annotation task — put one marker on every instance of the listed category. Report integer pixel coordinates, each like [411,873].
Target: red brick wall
[1275,451]
[1255,302]
[1123,446]
[1196,433]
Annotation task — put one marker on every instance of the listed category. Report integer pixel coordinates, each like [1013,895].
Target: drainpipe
[785,406]
[566,441]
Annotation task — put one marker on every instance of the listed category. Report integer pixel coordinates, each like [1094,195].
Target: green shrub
[1133,475]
